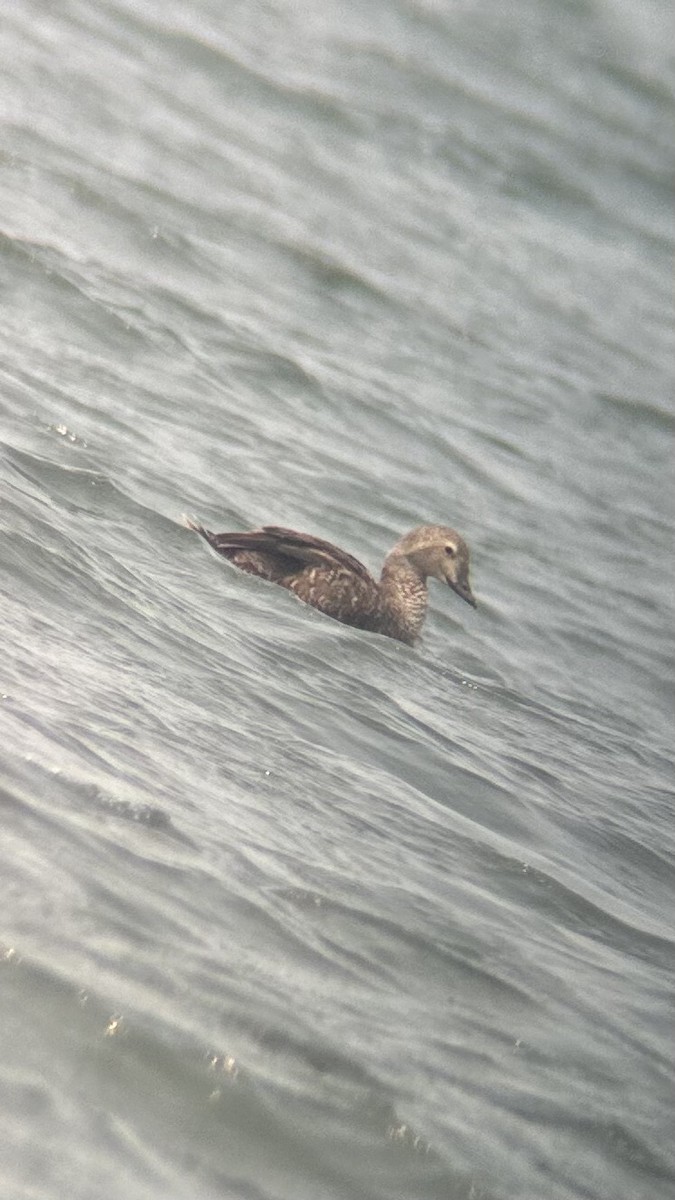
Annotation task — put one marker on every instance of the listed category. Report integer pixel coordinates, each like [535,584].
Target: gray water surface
[289,911]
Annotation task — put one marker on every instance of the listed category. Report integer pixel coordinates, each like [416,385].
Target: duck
[338,585]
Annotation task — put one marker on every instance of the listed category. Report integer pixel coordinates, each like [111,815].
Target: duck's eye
[451,551]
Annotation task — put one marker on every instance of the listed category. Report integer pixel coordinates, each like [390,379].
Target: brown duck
[340,586]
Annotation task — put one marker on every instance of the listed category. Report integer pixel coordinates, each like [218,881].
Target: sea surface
[290,911]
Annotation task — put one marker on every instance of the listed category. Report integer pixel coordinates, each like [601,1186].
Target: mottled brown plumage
[339,585]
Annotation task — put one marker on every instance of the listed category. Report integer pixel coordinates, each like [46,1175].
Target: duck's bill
[464,591]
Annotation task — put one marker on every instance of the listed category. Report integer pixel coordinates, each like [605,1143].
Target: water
[288,910]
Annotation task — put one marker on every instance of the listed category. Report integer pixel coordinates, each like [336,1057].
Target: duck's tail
[193,525]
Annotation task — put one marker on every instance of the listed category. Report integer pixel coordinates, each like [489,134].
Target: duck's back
[316,571]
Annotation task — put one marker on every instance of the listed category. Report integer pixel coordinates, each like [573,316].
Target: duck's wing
[276,553]
[308,550]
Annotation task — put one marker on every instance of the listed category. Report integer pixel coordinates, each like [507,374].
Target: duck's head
[440,553]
